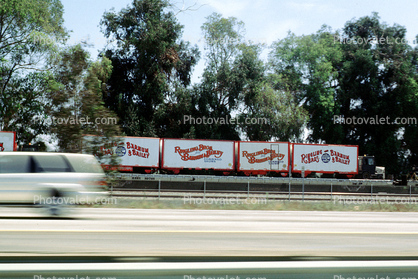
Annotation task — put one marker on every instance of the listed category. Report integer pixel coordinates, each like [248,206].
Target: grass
[270,205]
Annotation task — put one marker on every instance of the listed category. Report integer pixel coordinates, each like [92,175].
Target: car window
[14,164]
[50,163]
[86,164]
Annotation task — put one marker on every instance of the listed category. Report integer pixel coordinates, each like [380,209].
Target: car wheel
[54,204]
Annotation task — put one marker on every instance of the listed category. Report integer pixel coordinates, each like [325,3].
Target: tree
[149,61]
[30,32]
[353,74]
[277,115]
[378,79]
[410,143]
[235,86]
[24,106]
[218,94]
[76,97]
[304,67]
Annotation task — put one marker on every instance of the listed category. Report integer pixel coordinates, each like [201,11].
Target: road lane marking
[202,231]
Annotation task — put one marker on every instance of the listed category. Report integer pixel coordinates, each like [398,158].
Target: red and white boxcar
[138,152]
[7,141]
[197,154]
[257,157]
[325,158]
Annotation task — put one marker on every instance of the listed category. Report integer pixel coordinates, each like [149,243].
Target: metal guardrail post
[303,189]
[303,184]
[290,177]
[331,191]
[371,191]
[159,188]
[248,190]
[410,192]
[204,189]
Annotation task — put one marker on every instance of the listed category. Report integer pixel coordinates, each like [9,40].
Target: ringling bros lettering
[185,156]
[326,156]
[251,157]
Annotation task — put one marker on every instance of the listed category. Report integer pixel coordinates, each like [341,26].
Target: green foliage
[222,37]
[30,31]
[235,86]
[23,107]
[149,60]
[144,78]
[379,78]
[284,117]
[76,96]
[304,68]
[350,75]
[218,94]
[170,116]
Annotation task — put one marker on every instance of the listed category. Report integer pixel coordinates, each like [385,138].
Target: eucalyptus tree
[235,86]
[30,34]
[77,107]
[149,61]
[365,71]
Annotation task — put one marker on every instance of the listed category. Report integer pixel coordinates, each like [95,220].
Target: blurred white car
[52,181]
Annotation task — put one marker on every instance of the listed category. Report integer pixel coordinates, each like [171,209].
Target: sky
[265,21]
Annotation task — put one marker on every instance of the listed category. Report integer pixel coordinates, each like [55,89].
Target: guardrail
[275,188]
[251,179]
[195,270]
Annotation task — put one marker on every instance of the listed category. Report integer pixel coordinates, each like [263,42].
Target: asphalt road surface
[149,233]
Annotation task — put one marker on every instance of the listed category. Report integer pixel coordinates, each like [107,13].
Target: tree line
[143,79]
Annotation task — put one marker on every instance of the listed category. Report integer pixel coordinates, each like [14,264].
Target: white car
[52,181]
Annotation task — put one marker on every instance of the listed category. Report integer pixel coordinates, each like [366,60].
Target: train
[227,157]
[7,141]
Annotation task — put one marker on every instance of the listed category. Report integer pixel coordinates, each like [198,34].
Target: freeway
[214,233]
[216,270]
